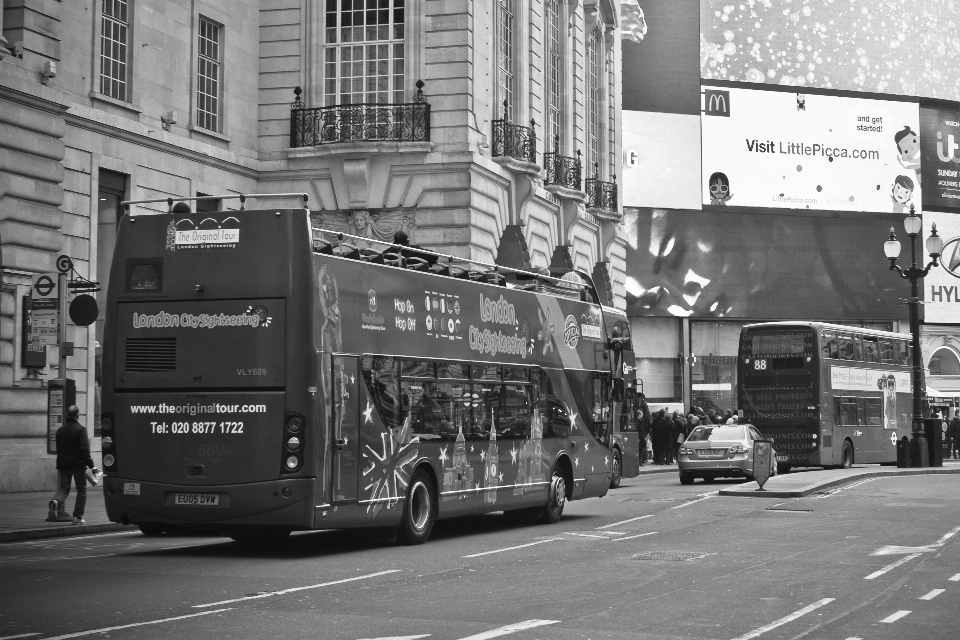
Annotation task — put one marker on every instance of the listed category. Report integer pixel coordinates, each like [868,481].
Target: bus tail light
[293,442]
[107,443]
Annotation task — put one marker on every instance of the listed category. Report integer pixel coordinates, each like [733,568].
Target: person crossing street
[73,460]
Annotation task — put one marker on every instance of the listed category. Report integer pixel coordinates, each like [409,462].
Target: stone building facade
[496,137]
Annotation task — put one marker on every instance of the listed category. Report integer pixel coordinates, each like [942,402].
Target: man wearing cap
[73,460]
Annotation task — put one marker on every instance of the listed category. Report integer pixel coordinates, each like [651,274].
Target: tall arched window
[363,54]
[611,117]
[594,103]
[945,363]
[506,51]
[554,72]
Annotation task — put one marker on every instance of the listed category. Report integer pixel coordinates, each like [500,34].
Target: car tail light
[108,460]
[106,442]
[293,443]
[293,462]
[294,439]
[106,422]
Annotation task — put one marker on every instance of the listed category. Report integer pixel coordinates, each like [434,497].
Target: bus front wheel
[556,499]
[846,459]
[616,472]
[419,510]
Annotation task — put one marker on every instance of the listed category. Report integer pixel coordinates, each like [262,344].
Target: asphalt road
[879,559]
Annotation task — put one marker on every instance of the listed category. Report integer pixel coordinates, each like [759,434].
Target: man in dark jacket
[73,460]
[643,425]
[953,432]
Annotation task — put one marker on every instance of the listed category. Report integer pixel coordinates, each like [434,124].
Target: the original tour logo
[209,233]
[252,317]
[571,332]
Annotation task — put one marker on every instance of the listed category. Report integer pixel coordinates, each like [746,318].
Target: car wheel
[556,499]
[616,471]
[783,468]
[686,478]
[151,529]
[750,478]
[846,458]
[419,512]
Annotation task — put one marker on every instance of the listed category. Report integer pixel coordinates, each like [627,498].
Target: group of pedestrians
[666,432]
[953,436]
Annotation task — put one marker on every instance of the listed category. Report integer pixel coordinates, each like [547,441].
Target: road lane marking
[20,635]
[955,578]
[422,635]
[15,559]
[896,616]
[510,628]
[784,620]
[892,550]
[632,537]
[933,594]
[135,624]
[519,546]
[706,497]
[584,535]
[270,594]
[613,524]
[890,567]
[941,541]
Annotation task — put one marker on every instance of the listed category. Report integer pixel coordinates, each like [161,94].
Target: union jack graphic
[388,472]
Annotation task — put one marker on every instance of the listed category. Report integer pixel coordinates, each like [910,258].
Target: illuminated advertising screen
[726,264]
[940,145]
[808,151]
[904,47]
[661,160]
[941,296]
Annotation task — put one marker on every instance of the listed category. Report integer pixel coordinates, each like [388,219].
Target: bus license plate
[199,499]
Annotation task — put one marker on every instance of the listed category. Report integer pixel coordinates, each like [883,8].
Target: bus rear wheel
[419,510]
[846,459]
[151,528]
[556,499]
[616,472]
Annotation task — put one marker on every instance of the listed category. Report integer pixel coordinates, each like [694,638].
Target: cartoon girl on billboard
[901,194]
[719,189]
[908,148]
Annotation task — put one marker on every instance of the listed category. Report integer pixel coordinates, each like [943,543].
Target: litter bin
[933,427]
[903,452]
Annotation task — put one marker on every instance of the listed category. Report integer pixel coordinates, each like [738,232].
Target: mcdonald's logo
[716,103]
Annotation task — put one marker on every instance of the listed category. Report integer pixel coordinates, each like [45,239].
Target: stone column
[3,41]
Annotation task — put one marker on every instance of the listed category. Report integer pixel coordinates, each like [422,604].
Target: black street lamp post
[912,225]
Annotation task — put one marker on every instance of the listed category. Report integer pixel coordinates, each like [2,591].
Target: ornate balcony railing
[514,140]
[561,170]
[601,195]
[369,122]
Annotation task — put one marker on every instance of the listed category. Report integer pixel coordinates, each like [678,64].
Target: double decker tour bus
[263,376]
[828,395]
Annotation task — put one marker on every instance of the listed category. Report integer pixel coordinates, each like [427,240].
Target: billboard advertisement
[660,48]
[724,264]
[940,146]
[904,47]
[661,160]
[941,296]
[810,151]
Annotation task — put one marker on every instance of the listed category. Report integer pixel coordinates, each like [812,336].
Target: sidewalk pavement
[23,515]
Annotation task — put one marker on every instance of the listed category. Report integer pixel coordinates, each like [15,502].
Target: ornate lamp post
[912,225]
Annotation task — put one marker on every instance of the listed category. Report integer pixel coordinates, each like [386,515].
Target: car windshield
[723,432]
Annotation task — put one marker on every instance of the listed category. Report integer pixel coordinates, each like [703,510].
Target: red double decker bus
[263,376]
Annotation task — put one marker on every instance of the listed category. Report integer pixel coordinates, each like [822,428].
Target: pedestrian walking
[73,460]
[680,431]
[660,430]
[643,426]
[953,448]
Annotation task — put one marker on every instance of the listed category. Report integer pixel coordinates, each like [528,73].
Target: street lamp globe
[934,243]
[912,223]
[891,248]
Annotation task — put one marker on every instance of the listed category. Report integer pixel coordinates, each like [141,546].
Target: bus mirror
[617,392]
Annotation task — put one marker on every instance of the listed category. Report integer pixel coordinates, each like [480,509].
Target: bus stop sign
[762,461]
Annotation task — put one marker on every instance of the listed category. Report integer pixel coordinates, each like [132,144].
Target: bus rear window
[144,275]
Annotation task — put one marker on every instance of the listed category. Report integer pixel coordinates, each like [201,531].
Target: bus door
[345,465]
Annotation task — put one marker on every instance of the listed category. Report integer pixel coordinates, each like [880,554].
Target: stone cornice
[124,135]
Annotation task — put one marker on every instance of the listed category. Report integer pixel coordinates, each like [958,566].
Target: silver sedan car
[719,451]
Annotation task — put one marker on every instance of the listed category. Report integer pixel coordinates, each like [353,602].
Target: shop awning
[935,393]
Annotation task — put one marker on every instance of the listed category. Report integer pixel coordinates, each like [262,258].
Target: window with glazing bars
[554,75]
[114,39]
[593,102]
[611,118]
[505,54]
[208,75]
[363,55]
